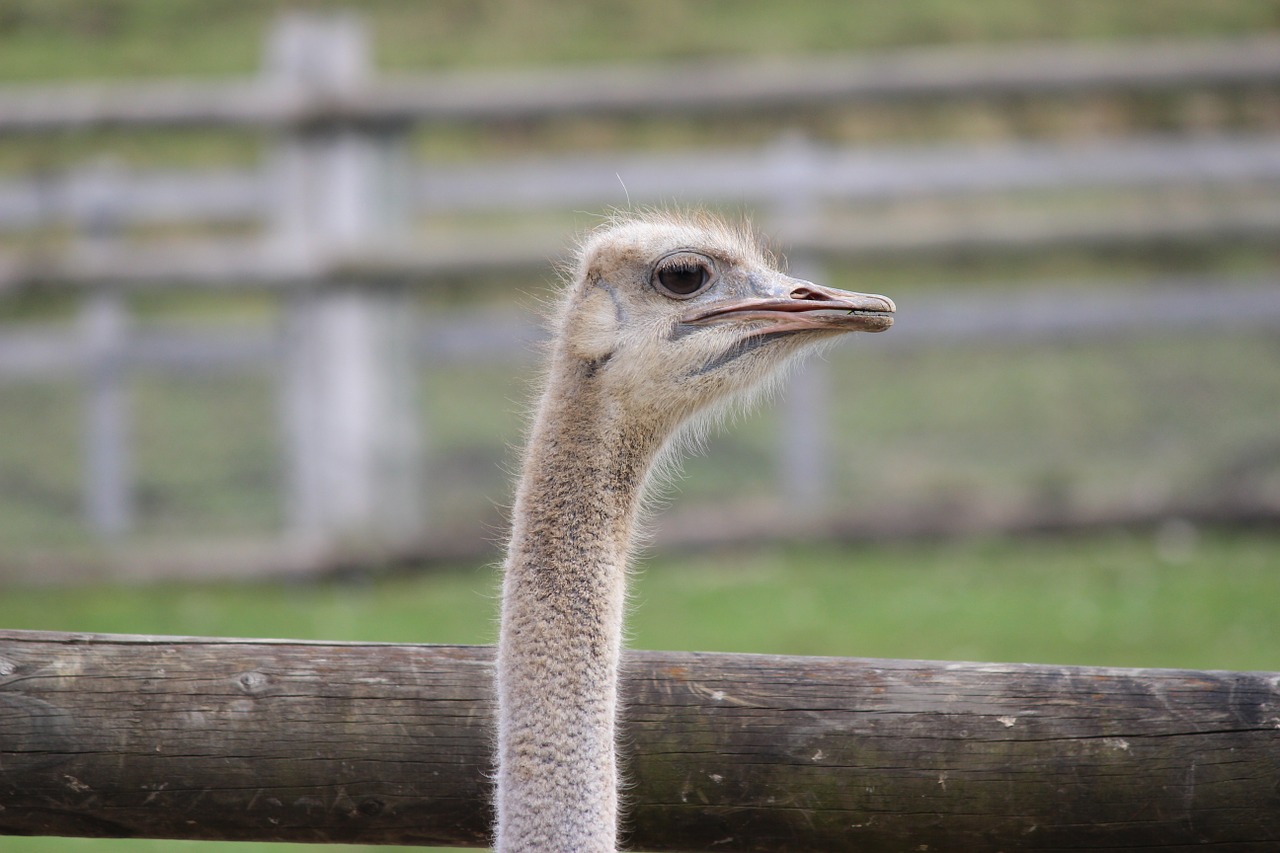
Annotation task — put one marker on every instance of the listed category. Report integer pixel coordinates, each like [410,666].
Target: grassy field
[47,39]
[1169,598]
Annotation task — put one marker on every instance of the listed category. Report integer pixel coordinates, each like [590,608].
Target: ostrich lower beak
[808,307]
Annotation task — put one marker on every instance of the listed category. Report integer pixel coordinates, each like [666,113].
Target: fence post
[104,327]
[350,405]
[109,468]
[802,450]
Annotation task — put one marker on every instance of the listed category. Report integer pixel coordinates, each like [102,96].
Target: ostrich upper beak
[802,306]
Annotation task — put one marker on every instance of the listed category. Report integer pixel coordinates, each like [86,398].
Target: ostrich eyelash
[681,267]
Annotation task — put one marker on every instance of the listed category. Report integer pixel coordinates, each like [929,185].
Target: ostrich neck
[562,609]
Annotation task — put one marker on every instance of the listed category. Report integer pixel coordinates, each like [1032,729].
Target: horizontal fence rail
[95,198]
[166,737]
[857,174]
[92,197]
[612,91]
[1040,316]
[247,264]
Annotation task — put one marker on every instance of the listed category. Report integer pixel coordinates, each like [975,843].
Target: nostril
[806,293]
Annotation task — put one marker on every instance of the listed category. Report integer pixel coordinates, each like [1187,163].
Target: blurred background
[271,277]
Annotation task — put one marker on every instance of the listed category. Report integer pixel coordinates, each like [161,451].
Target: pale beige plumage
[663,317]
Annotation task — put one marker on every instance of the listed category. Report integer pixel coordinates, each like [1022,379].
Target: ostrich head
[668,315]
[664,317]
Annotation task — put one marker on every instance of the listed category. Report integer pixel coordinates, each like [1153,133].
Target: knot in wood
[371,808]
[253,683]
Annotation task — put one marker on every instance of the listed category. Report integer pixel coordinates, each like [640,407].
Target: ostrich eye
[683,280]
[683,276]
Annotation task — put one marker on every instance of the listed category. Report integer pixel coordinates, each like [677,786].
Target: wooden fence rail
[702,88]
[1040,315]
[126,736]
[86,198]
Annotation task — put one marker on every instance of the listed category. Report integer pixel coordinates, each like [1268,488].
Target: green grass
[1172,598]
[1119,599]
[43,39]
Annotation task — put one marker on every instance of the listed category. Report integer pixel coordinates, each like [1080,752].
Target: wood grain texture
[326,742]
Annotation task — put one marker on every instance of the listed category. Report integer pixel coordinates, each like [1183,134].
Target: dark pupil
[683,278]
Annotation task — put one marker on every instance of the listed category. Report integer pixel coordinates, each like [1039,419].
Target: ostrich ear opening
[594,332]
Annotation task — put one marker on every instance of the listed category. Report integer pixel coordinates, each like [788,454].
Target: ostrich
[665,317]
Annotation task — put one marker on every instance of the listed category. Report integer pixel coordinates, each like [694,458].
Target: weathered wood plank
[134,737]
[811,172]
[276,740]
[731,85]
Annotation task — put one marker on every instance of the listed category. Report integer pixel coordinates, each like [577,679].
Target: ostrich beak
[801,306]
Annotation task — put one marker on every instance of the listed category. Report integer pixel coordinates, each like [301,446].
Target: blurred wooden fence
[329,214]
